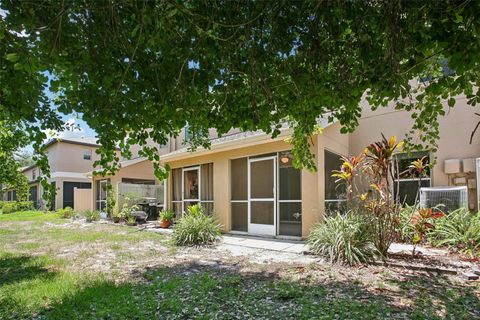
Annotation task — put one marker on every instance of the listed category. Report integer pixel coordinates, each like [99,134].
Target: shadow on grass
[15,269]
[435,296]
[218,291]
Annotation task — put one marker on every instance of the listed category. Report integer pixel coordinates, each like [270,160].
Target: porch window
[334,192]
[239,201]
[192,185]
[206,187]
[406,184]
[177,202]
[290,196]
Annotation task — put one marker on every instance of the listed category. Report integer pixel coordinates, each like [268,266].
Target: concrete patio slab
[265,244]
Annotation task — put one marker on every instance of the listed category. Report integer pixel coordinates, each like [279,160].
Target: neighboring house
[69,160]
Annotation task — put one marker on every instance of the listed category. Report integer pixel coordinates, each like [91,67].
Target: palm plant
[423,221]
[350,168]
[382,208]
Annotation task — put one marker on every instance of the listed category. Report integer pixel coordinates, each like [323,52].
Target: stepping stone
[476,270]
[470,276]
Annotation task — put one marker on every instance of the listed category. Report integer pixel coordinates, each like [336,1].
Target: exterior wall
[312,182]
[83,199]
[68,157]
[29,173]
[162,149]
[455,130]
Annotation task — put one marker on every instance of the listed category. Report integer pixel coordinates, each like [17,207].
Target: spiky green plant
[459,230]
[196,228]
[343,239]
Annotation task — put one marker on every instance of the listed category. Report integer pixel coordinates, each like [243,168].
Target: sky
[75,127]
[79,128]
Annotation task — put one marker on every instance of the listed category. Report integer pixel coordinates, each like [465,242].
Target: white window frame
[99,202]
[196,168]
[397,182]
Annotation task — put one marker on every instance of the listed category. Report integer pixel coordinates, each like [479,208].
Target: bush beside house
[343,239]
[196,228]
[15,206]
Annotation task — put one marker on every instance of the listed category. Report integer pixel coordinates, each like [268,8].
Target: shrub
[459,230]
[196,228]
[343,239]
[131,221]
[91,216]
[378,205]
[66,213]
[24,205]
[9,207]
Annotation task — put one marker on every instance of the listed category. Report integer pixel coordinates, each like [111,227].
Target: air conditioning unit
[444,198]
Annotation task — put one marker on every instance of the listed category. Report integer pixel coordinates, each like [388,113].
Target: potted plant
[166,217]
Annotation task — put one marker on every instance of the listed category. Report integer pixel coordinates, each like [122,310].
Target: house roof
[124,164]
[131,162]
[240,138]
[23,169]
[86,141]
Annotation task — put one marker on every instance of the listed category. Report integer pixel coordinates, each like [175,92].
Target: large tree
[143,69]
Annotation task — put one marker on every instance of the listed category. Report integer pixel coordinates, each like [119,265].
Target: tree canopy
[143,69]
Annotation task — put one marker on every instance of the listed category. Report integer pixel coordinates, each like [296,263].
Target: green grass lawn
[48,271]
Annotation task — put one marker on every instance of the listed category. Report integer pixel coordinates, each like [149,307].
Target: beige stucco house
[247,179]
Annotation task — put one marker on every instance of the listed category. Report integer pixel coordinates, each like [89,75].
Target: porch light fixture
[285,159]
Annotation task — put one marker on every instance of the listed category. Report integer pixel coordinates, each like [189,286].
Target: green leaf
[12,57]
[451,102]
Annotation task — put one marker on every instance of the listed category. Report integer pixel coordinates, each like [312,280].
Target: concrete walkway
[289,246]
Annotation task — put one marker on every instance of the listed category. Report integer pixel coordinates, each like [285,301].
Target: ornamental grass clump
[67,213]
[196,228]
[91,216]
[343,239]
[459,230]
